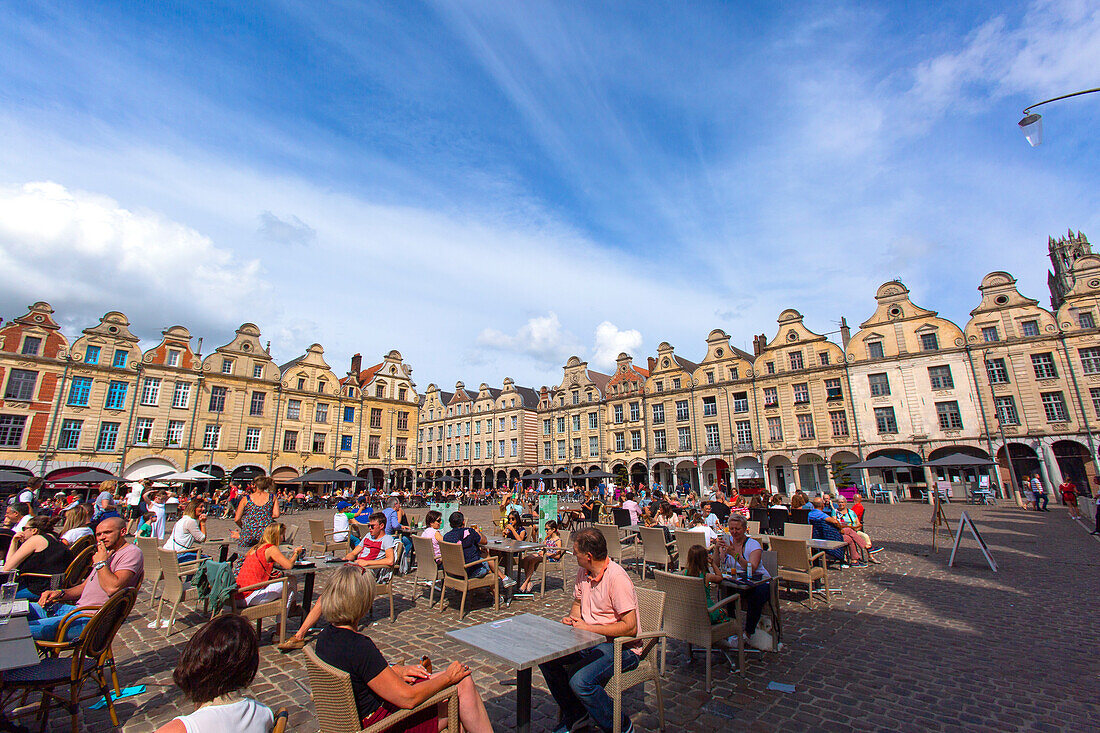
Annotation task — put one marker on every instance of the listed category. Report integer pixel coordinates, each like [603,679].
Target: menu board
[548,510]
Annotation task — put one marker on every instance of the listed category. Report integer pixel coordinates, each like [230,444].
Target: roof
[292,362]
[530,397]
[368,374]
[687,364]
[599,379]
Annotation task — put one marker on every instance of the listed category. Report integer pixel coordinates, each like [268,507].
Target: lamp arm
[1027,111]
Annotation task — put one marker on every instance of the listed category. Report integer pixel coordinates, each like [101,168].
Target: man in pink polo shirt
[604,601]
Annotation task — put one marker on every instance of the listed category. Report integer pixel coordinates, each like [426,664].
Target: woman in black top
[381,689]
[35,549]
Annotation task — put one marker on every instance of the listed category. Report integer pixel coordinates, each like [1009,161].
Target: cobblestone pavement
[907,645]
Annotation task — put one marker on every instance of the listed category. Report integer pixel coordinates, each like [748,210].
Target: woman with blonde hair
[379,688]
[76,524]
[260,565]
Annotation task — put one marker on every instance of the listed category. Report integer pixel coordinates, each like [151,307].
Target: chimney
[652,362]
[356,364]
[845,332]
[758,344]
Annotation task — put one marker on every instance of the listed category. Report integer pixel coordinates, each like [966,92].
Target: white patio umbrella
[187,476]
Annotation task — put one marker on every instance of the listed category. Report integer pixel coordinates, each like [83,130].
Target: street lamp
[1032,124]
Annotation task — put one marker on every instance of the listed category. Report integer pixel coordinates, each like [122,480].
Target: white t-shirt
[242,716]
[340,525]
[134,497]
[21,524]
[76,533]
[751,546]
[184,535]
[709,533]
[26,496]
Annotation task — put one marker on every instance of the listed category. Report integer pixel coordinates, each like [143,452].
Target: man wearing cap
[341,524]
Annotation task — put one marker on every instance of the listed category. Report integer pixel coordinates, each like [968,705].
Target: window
[319,442]
[320,386]
[515,422]
[659,443]
[635,440]
[119,361]
[401,394]
[217,399]
[431,430]
[11,430]
[823,358]
[1094,393]
[293,409]
[676,383]
[31,344]
[320,413]
[948,413]
[658,414]
[116,395]
[620,441]
[885,420]
[710,406]
[770,367]
[449,431]
[257,371]
[500,448]
[805,426]
[174,437]
[879,383]
[710,377]
[801,393]
[210,437]
[429,454]
[659,385]
[1084,320]
[402,420]
[714,442]
[376,419]
[833,390]
[576,423]
[775,428]
[1006,410]
[577,448]
[173,358]
[684,437]
[400,447]
[181,395]
[256,408]
[940,377]
[682,410]
[561,424]
[380,391]
[143,430]
[1054,405]
[1030,328]
[91,355]
[227,366]
[301,384]
[150,391]
[771,397]
[1043,364]
[929,342]
[576,397]
[21,385]
[477,451]
[796,360]
[448,452]
[874,350]
[108,436]
[635,411]
[744,434]
[547,426]
[990,334]
[515,447]
[252,439]
[79,389]
[561,450]
[500,425]
[593,446]
[547,455]
[618,412]
[996,371]
[373,443]
[1090,360]
[839,422]
[349,414]
[733,372]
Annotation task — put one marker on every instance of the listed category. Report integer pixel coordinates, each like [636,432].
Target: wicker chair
[149,548]
[334,701]
[798,531]
[276,607]
[687,617]
[770,560]
[90,658]
[322,540]
[176,586]
[544,565]
[78,570]
[754,528]
[655,549]
[651,611]
[386,588]
[87,540]
[796,564]
[686,539]
[456,575]
[615,549]
[428,571]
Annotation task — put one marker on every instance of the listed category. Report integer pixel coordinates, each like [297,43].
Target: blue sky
[491,187]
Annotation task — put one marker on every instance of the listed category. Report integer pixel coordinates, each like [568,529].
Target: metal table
[816,544]
[16,645]
[319,565]
[510,549]
[522,642]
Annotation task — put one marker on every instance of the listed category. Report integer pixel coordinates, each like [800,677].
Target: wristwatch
[100,564]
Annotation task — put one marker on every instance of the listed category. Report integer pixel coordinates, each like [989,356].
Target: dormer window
[929,342]
[227,366]
[257,371]
[320,386]
[874,350]
[31,345]
[1085,319]
[301,384]
[173,358]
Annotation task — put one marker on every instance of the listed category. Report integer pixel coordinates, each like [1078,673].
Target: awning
[959,460]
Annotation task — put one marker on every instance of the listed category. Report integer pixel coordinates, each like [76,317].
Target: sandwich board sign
[966,521]
[548,509]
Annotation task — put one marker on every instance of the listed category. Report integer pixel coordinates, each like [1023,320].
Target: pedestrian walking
[1068,489]
[1040,492]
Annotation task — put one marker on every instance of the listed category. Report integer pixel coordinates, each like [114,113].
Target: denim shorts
[478,571]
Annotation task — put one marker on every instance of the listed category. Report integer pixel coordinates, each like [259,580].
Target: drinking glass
[7,600]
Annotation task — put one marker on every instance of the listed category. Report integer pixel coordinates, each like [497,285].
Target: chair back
[790,553]
[686,539]
[685,614]
[651,609]
[610,533]
[653,545]
[770,560]
[170,564]
[754,528]
[333,697]
[87,540]
[426,568]
[798,531]
[776,519]
[149,548]
[593,515]
[95,638]
[721,510]
[79,568]
[761,516]
[799,516]
[454,562]
[317,531]
[621,517]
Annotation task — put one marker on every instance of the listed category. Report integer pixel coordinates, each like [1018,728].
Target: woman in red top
[259,566]
[857,506]
[1069,498]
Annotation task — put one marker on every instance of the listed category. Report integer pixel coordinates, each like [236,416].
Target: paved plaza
[907,645]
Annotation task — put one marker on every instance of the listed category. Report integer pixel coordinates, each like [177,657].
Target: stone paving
[907,645]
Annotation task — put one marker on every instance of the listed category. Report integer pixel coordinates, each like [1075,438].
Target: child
[698,566]
[145,528]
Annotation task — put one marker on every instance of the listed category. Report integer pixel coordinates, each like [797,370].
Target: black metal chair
[621,517]
[760,514]
[776,519]
[799,516]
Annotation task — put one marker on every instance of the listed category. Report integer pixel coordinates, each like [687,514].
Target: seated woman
[76,525]
[191,528]
[800,501]
[777,503]
[260,565]
[736,553]
[432,522]
[218,663]
[35,549]
[381,689]
[698,524]
[667,518]
[698,566]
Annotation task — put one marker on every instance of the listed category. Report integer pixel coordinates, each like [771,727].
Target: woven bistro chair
[385,588]
[651,611]
[770,560]
[78,570]
[560,563]
[686,539]
[656,550]
[149,548]
[615,549]
[798,531]
[428,571]
[276,607]
[176,586]
[322,540]
[797,565]
[687,617]
[334,701]
[456,575]
[87,540]
[753,528]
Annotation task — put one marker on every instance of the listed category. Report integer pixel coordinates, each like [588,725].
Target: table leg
[223,553]
[523,700]
[307,595]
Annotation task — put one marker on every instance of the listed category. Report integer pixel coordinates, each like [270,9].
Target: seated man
[829,528]
[709,517]
[604,601]
[472,542]
[117,565]
[633,507]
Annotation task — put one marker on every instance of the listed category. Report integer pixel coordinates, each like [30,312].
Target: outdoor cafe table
[16,650]
[319,565]
[816,544]
[522,642]
[510,549]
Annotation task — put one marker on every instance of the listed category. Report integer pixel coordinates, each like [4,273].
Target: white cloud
[610,342]
[82,251]
[289,231]
[541,338]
